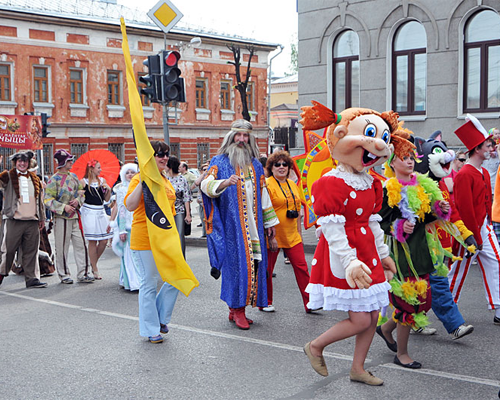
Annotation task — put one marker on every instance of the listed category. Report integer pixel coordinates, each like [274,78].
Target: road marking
[463,378]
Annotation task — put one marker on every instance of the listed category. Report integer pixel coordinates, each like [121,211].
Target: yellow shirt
[139,237]
[287,233]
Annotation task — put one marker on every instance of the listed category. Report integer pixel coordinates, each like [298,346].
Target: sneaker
[424,331]
[496,321]
[269,308]
[287,261]
[163,328]
[36,284]
[67,281]
[461,331]
[86,279]
[156,339]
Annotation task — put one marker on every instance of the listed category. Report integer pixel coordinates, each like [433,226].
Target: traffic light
[173,84]
[45,125]
[153,79]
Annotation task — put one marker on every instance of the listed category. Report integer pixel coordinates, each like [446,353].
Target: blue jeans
[154,308]
[442,303]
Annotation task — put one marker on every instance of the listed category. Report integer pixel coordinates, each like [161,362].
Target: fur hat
[27,154]
[62,157]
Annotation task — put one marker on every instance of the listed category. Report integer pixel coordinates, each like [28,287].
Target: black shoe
[392,346]
[496,320]
[35,283]
[274,275]
[412,365]
[199,225]
[1,278]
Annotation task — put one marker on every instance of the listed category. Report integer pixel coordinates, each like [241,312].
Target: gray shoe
[86,279]
[424,331]
[461,331]
[67,281]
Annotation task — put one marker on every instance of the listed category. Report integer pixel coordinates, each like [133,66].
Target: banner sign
[21,132]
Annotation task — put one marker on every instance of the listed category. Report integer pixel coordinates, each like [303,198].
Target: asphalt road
[81,341]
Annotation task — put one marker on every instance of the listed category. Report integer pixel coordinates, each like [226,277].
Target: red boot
[240,319]
[231,316]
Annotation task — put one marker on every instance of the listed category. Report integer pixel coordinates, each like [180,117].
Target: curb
[202,242]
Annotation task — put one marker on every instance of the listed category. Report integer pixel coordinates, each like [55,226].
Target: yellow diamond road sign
[165,15]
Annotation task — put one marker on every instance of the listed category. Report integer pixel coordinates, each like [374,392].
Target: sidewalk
[195,239]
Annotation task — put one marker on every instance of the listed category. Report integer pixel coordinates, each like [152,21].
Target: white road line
[463,378]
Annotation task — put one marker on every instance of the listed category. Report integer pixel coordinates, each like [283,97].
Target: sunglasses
[462,159]
[161,154]
[282,164]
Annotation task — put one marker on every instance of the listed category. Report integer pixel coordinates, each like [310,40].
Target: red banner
[21,132]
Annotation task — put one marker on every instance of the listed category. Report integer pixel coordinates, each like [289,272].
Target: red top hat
[472,133]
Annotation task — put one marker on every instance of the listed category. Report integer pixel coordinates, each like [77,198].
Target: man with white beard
[472,191]
[239,216]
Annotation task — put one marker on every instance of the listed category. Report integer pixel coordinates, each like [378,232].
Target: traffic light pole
[166,135]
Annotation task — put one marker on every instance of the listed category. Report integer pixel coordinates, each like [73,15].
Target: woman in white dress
[122,226]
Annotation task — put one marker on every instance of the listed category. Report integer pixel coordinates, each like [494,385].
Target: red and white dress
[347,206]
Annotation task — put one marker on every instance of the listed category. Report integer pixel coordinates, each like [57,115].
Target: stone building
[431,61]
[65,59]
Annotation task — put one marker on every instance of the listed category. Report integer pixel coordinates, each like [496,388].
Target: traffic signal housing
[152,80]
[173,83]
[45,125]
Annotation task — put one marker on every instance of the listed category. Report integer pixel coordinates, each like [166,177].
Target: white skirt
[95,222]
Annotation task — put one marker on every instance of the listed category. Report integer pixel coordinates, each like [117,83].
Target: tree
[294,57]
[241,85]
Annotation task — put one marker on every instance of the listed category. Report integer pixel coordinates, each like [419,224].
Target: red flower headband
[92,163]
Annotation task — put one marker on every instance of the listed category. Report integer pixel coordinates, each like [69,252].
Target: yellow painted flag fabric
[163,236]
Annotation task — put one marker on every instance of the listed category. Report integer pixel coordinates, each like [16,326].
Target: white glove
[357,273]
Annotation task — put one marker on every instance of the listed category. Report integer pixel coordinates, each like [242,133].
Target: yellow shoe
[366,377]
[318,363]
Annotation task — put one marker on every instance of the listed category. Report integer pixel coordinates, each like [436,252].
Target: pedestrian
[186,173]
[155,309]
[129,278]
[285,197]
[473,200]
[95,222]
[24,216]
[183,199]
[64,196]
[456,166]
[351,264]
[239,216]
[411,202]
[492,163]
[199,199]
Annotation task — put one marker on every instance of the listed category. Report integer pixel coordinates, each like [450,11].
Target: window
[482,63]
[114,87]
[77,149]
[145,100]
[409,69]
[76,86]
[203,153]
[41,84]
[48,159]
[201,93]
[117,150]
[250,96]
[175,150]
[225,95]
[4,82]
[346,71]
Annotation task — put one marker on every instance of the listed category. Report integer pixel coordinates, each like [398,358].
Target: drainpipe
[269,93]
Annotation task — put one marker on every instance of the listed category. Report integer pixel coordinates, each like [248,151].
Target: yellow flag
[163,236]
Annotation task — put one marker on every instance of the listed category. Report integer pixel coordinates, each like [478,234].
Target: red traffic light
[171,58]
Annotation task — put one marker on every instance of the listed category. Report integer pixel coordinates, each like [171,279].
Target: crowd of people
[384,248]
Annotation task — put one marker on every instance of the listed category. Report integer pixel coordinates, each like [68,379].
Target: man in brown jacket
[25,215]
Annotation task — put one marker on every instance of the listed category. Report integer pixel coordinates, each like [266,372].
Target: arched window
[482,62]
[346,71]
[409,69]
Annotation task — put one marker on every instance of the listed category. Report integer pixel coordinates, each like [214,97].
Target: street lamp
[194,42]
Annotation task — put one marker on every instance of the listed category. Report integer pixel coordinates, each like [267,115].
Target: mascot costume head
[435,158]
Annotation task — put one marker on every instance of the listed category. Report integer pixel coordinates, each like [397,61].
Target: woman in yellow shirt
[155,309]
[286,203]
